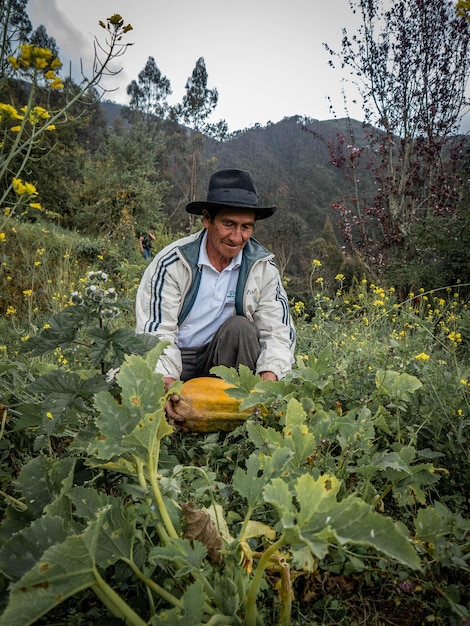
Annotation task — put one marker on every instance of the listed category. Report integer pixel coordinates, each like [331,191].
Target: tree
[41,39]
[199,101]
[15,27]
[197,105]
[412,64]
[149,93]
[121,192]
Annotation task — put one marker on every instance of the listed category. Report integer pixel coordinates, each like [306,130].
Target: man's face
[229,232]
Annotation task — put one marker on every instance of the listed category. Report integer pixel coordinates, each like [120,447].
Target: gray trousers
[235,343]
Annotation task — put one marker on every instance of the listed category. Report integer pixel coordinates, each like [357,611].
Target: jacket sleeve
[158,303]
[272,317]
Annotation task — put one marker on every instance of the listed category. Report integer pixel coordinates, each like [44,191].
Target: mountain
[291,163]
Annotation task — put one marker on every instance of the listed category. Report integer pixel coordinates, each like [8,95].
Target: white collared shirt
[215,301]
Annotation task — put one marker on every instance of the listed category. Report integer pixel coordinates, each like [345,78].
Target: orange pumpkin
[207,408]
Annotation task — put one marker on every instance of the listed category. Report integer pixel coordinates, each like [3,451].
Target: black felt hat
[231,188]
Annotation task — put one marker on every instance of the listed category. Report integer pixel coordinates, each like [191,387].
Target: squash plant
[114,502]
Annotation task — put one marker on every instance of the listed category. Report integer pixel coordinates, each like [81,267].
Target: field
[342,499]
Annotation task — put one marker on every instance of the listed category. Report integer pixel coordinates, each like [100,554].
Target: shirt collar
[203,259]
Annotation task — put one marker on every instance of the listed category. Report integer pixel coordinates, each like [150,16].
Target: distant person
[145,243]
[216,295]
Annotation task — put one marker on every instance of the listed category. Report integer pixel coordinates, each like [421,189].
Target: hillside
[290,163]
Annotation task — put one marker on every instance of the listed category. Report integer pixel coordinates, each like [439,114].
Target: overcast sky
[265,58]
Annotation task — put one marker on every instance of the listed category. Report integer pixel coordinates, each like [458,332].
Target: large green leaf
[321,519]
[62,330]
[63,570]
[250,483]
[132,424]
[397,386]
[24,549]
[118,529]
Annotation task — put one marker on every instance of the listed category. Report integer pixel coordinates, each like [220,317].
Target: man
[145,243]
[216,295]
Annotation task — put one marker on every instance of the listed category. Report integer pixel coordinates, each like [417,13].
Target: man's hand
[268,376]
[168,381]
[176,409]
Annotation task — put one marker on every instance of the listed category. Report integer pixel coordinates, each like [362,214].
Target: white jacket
[169,286]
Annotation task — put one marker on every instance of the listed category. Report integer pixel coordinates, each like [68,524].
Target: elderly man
[216,295]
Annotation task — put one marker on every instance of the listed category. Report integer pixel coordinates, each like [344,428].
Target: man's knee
[240,326]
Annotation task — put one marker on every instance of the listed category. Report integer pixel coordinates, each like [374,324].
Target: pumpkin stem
[257,577]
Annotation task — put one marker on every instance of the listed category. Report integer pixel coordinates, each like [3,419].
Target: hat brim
[261,213]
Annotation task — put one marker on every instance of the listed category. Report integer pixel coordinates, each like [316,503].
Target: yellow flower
[340,277]
[2,236]
[36,205]
[21,188]
[49,415]
[27,292]
[30,189]
[41,64]
[15,129]
[37,114]
[454,338]
[56,84]
[422,356]
[316,263]
[10,310]
[8,112]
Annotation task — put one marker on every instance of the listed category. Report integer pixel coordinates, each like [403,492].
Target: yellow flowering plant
[21,129]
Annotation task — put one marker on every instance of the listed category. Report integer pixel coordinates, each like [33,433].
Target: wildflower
[8,112]
[2,236]
[36,205]
[10,310]
[36,114]
[56,84]
[316,263]
[299,307]
[49,415]
[27,292]
[21,188]
[454,338]
[340,277]
[422,356]
[76,298]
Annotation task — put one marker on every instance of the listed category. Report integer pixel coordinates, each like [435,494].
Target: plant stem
[16,504]
[285,596]
[220,619]
[159,500]
[166,595]
[115,603]
[255,583]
